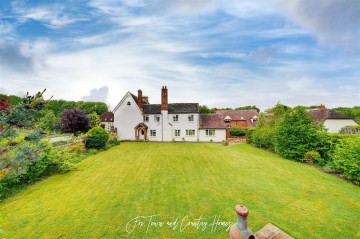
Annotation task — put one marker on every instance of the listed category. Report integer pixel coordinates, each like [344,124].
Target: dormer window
[227,119]
[128,103]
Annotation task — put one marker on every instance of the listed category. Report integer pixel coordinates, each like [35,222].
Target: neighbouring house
[107,121]
[136,119]
[332,120]
[242,118]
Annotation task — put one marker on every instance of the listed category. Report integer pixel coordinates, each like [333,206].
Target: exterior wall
[165,129]
[220,135]
[107,125]
[126,117]
[334,125]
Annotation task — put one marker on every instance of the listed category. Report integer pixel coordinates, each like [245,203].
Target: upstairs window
[128,103]
[146,118]
[156,118]
[176,118]
[191,118]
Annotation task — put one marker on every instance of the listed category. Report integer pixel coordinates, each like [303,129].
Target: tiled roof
[323,114]
[107,117]
[144,101]
[211,121]
[239,115]
[176,108]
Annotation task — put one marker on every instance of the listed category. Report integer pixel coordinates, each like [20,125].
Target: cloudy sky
[222,53]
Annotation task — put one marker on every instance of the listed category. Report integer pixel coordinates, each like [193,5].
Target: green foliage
[248,107]
[296,134]
[58,106]
[203,109]
[353,112]
[47,121]
[96,138]
[112,141]
[94,119]
[312,157]
[346,157]
[264,137]
[237,131]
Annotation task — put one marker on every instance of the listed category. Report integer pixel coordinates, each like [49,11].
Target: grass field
[190,182]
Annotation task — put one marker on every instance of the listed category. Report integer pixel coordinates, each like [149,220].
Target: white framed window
[153,133]
[156,118]
[177,133]
[210,132]
[191,118]
[128,103]
[176,118]
[190,132]
[146,118]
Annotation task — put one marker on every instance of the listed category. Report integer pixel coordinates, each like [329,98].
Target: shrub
[264,137]
[74,121]
[96,138]
[312,157]
[346,158]
[296,134]
[237,131]
[113,139]
[94,120]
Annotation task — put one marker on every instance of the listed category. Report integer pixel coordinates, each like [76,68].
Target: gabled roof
[176,108]
[107,117]
[237,115]
[211,121]
[324,114]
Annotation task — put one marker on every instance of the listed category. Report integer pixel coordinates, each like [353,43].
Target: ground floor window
[210,132]
[190,132]
[153,133]
[177,133]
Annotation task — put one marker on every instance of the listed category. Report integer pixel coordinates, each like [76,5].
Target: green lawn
[184,181]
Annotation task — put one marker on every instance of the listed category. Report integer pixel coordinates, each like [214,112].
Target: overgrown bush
[346,157]
[264,137]
[112,141]
[96,138]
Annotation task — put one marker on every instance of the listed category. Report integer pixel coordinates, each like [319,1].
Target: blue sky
[222,53]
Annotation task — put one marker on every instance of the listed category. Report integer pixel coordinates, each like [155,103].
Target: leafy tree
[5,103]
[74,121]
[22,115]
[296,134]
[203,109]
[89,107]
[248,107]
[96,138]
[47,121]
[94,119]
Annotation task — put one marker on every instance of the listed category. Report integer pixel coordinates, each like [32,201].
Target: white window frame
[190,132]
[177,133]
[146,118]
[191,118]
[176,118]
[153,133]
[157,118]
[210,132]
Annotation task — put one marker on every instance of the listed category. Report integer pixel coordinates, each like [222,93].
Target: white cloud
[331,21]
[97,95]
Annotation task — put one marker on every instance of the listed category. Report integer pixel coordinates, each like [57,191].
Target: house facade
[137,120]
[333,121]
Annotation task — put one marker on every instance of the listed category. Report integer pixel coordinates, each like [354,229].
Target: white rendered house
[136,119]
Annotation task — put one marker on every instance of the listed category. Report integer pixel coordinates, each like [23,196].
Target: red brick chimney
[146,99]
[164,98]
[139,99]
[322,107]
